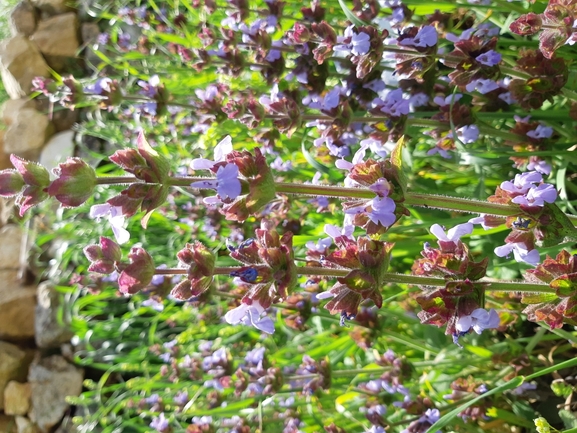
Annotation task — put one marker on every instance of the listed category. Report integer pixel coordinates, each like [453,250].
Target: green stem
[412,199]
[494,285]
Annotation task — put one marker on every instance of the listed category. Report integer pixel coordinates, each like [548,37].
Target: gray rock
[11,357]
[23,19]
[50,330]
[24,425]
[52,379]
[20,62]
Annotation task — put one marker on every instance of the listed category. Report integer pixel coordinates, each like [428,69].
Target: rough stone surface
[11,358]
[17,305]
[57,39]
[50,331]
[4,157]
[10,109]
[16,398]
[52,7]
[6,209]
[52,379]
[10,244]
[59,147]
[23,19]
[24,425]
[27,135]
[20,62]
[8,424]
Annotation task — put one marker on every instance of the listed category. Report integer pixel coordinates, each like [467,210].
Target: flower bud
[75,183]
[11,183]
[138,274]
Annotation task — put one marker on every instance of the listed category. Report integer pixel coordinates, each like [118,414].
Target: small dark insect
[521,223]
[345,316]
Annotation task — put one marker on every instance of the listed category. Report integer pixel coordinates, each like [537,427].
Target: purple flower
[520,252]
[250,315]
[320,246]
[339,235]
[380,210]
[361,44]
[160,423]
[181,398]
[150,87]
[220,151]
[443,102]
[522,182]
[537,196]
[255,356]
[482,86]
[381,187]
[115,217]
[541,132]
[426,37]
[227,184]
[468,134]
[418,100]
[99,87]
[442,152]
[452,235]
[480,319]
[490,58]
[279,165]
[539,165]
[395,105]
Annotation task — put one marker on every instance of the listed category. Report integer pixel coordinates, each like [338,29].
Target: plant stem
[494,285]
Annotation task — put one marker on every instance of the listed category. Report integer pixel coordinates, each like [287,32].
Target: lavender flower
[380,210]
[426,37]
[490,58]
[115,217]
[479,320]
[454,234]
[160,423]
[540,132]
[522,182]
[250,315]
[537,196]
[520,252]
[482,86]
[227,184]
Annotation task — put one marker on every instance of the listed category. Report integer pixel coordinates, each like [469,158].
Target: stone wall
[46,36]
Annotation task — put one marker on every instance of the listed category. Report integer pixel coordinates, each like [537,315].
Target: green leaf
[564,286]
[479,351]
[448,417]
[311,160]
[569,419]
[397,162]
[351,16]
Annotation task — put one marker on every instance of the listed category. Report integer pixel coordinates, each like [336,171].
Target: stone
[51,331]
[10,246]
[17,305]
[17,398]
[24,425]
[7,209]
[20,62]
[57,39]
[59,147]
[23,19]
[27,134]
[52,7]
[4,157]
[52,379]
[8,424]
[11,358]
[12,107]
